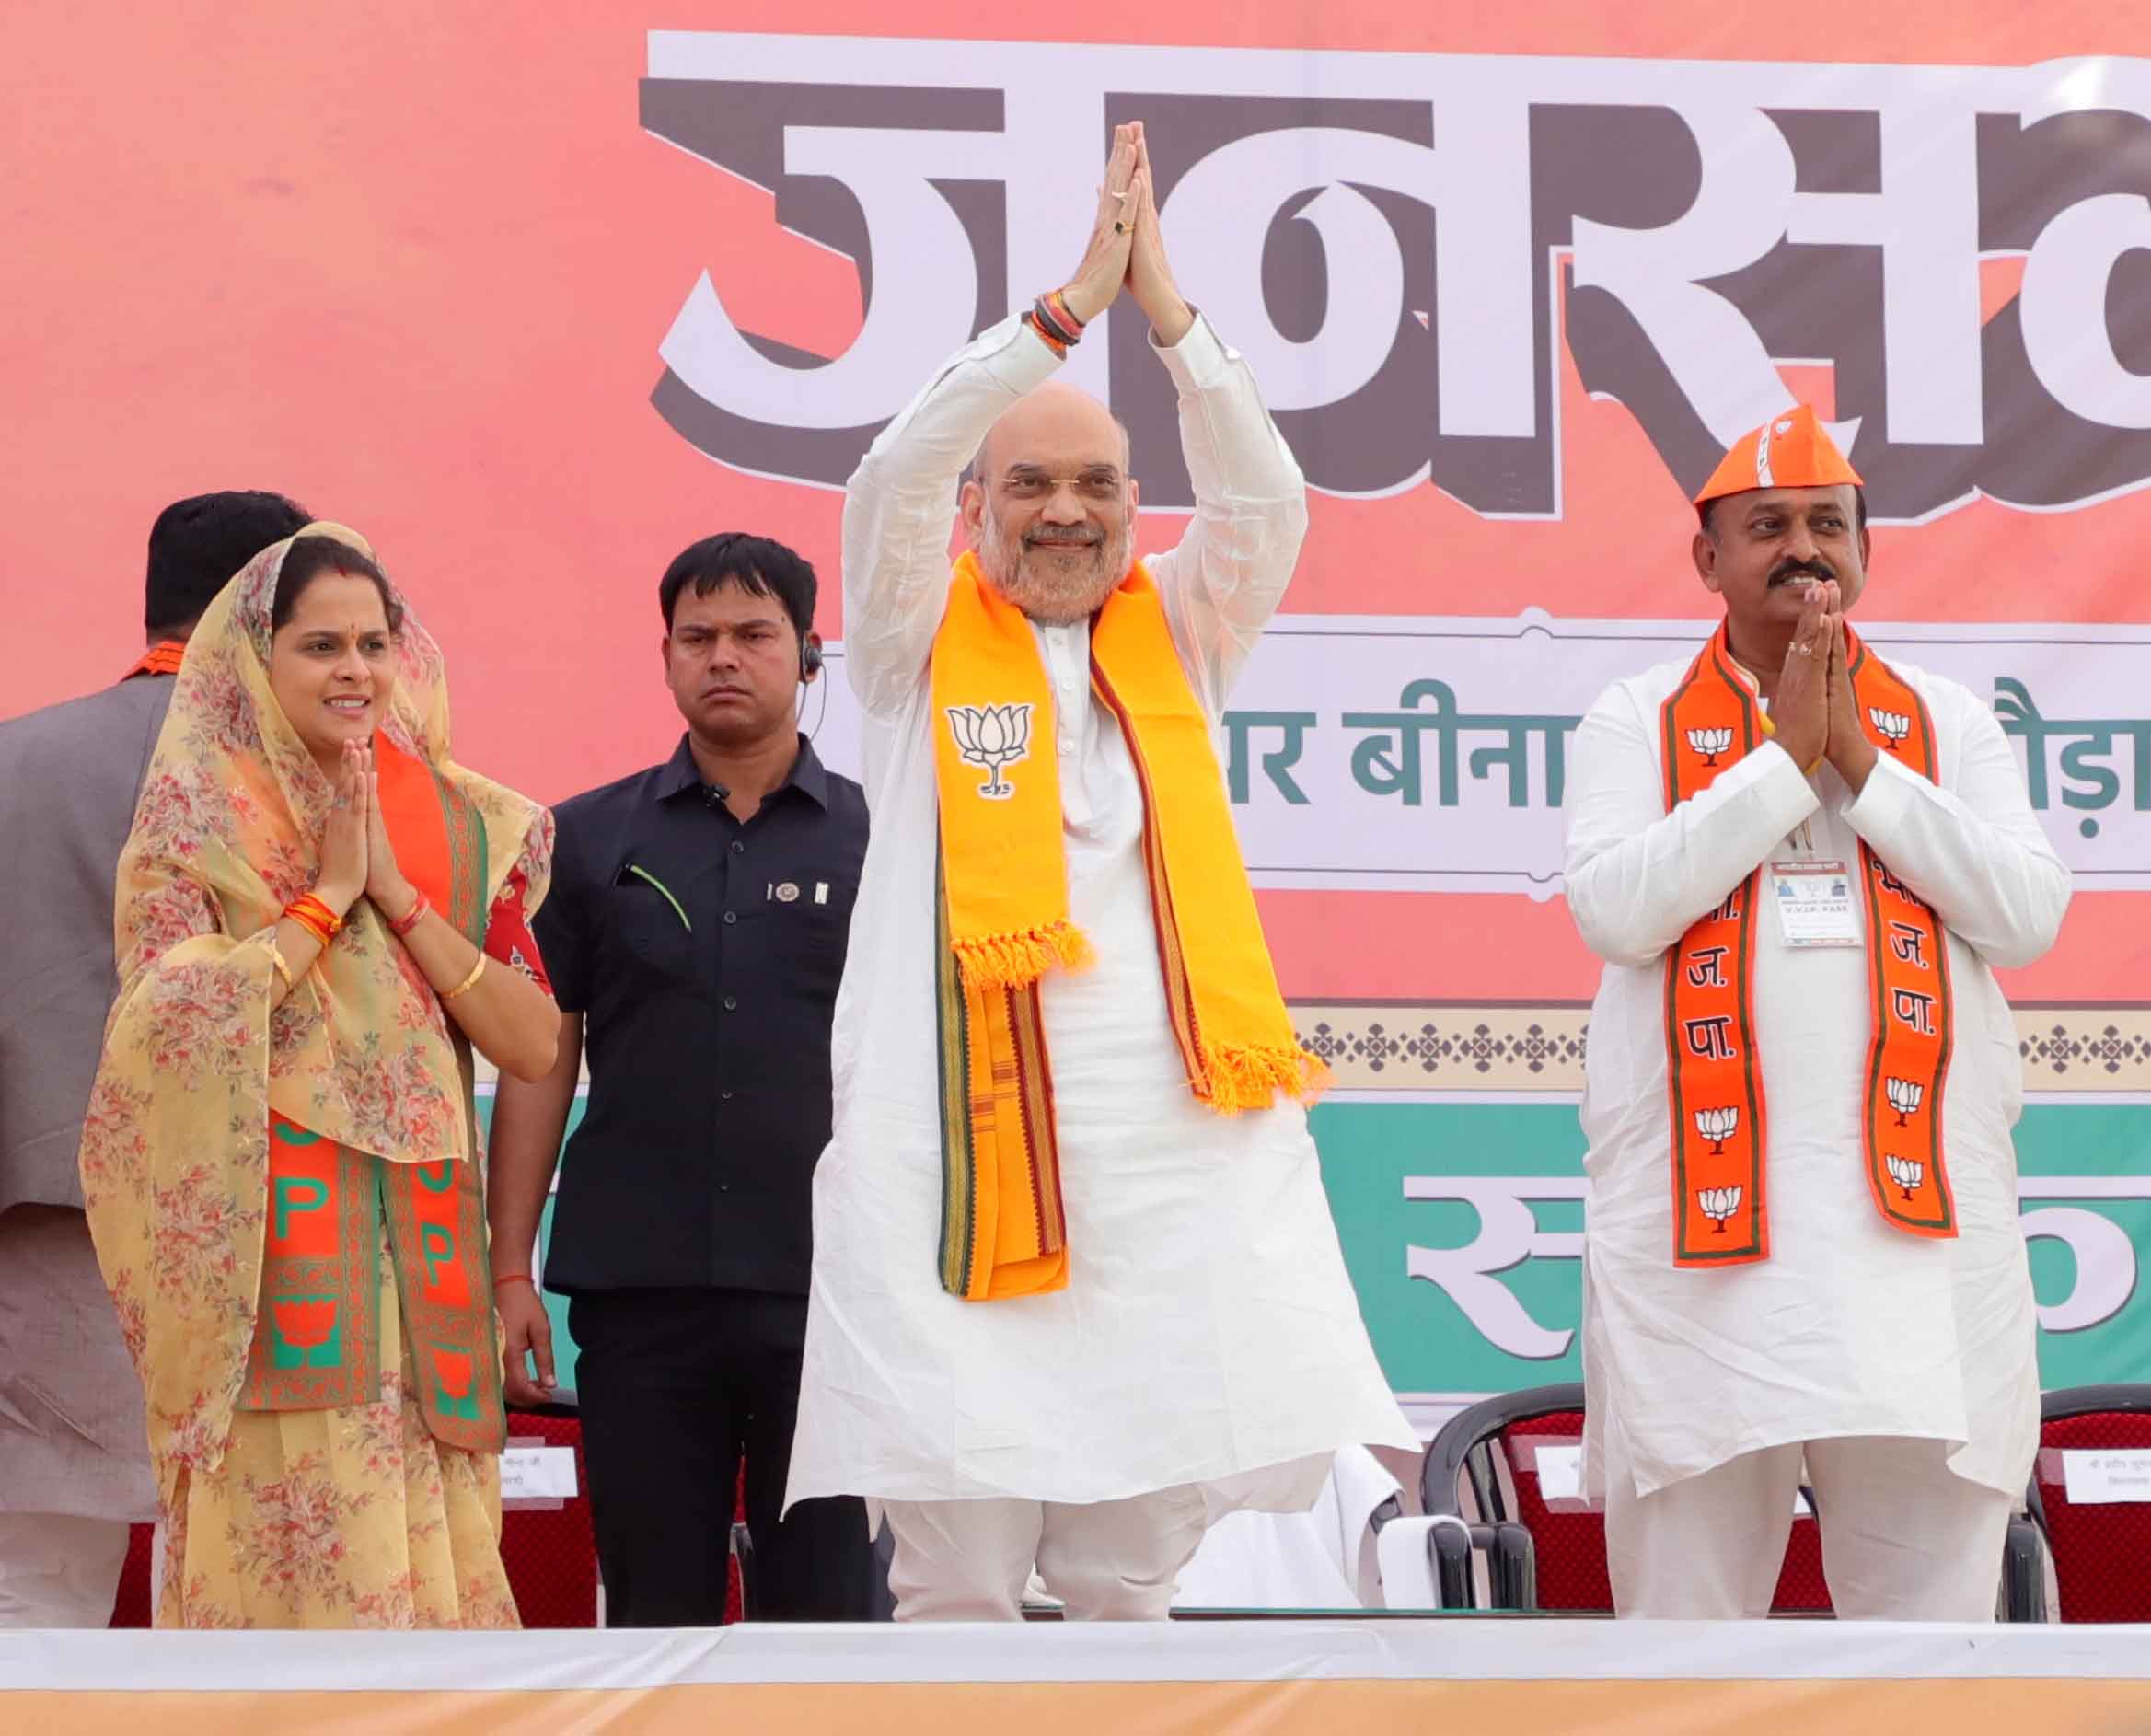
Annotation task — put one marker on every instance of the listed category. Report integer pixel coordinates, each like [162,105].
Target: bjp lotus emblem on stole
[1718,1204]
[992,737]
[1710,743]
[1717,1126]
[1905,1095]
[1905,1172]
[1892,726]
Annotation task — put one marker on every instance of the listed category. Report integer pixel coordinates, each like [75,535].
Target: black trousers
[675,1386]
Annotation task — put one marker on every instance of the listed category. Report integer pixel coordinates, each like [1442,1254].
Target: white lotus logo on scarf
[1892,726]
[992,737]
[1717,1126]
[1904,1097]
[1718,1204]
[1710,743]
[1906,1173]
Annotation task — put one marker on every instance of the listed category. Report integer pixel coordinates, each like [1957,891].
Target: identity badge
[1813,896]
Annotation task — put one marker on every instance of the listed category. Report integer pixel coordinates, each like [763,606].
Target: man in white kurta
[1207,1351]
[1899,1367]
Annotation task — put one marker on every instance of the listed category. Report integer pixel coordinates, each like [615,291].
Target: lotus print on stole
[1906,1173]
[1710,743]
[1718,1204]
[1906,1096]
[1717,1126]
[1891,726]
[305,1328]
[992,737]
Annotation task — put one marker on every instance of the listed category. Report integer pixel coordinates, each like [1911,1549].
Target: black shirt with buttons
[703,953]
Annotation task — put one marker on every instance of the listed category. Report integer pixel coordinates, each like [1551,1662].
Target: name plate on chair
[537,1474]
[2093,1476]
[1560,1473]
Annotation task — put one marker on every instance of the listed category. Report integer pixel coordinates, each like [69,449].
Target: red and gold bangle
[311,914]
[402,925]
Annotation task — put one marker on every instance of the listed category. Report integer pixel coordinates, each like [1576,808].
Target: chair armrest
[1512,1566]
[1425,1562]
[2024,1556]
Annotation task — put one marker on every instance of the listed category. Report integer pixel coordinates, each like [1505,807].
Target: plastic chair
[1547,1551]
[2097,1550]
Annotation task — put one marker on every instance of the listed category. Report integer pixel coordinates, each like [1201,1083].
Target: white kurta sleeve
[1976,853]
[1637,877]
[1226,578]
[901,500]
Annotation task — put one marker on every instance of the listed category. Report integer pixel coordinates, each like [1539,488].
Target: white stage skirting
[1508,1677]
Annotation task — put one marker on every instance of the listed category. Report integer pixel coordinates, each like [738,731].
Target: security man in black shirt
[695,936]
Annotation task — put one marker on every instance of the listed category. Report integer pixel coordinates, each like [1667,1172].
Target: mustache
[1077,540]
[1791,569]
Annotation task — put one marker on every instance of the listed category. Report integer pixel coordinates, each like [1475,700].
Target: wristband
[402,925]
[1045,336]
[514,1278]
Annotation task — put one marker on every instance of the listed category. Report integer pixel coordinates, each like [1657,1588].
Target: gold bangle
[276,958]
[470,982]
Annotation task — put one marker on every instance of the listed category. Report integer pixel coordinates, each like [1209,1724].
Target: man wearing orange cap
[1801,865]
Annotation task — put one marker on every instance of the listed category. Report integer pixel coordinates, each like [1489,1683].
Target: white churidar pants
[1904,1538]
[1107,1561]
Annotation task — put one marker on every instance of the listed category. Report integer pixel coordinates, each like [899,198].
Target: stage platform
[1506,1677]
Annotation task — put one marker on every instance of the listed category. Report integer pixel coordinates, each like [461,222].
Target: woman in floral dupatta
[281,1158]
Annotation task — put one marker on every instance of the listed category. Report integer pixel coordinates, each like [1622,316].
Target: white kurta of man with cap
[1852,1326]
[1208,1334]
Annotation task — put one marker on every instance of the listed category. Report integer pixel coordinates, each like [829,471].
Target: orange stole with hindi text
[1721,1214]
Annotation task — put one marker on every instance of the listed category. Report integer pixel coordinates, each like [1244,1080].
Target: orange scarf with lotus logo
[1713,1078]
[1004,920]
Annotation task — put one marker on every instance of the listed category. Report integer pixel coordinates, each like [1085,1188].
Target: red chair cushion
[131,1608]
[1802,1588]
[549,1552]
[735,1590]
[2098,1551]
[1570,1539]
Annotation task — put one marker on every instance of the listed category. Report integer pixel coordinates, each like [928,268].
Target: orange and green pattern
[317,1333]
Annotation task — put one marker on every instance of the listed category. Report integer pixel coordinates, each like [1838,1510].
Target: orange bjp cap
[1791,450]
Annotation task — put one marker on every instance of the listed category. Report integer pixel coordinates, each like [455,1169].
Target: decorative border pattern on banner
[1537,1046]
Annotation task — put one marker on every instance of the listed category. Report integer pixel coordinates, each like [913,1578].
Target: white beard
[1048,585]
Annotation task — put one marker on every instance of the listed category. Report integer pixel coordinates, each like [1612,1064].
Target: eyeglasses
[1098,487]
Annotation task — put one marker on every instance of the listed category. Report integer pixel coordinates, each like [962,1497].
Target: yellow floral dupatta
[175,1149]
